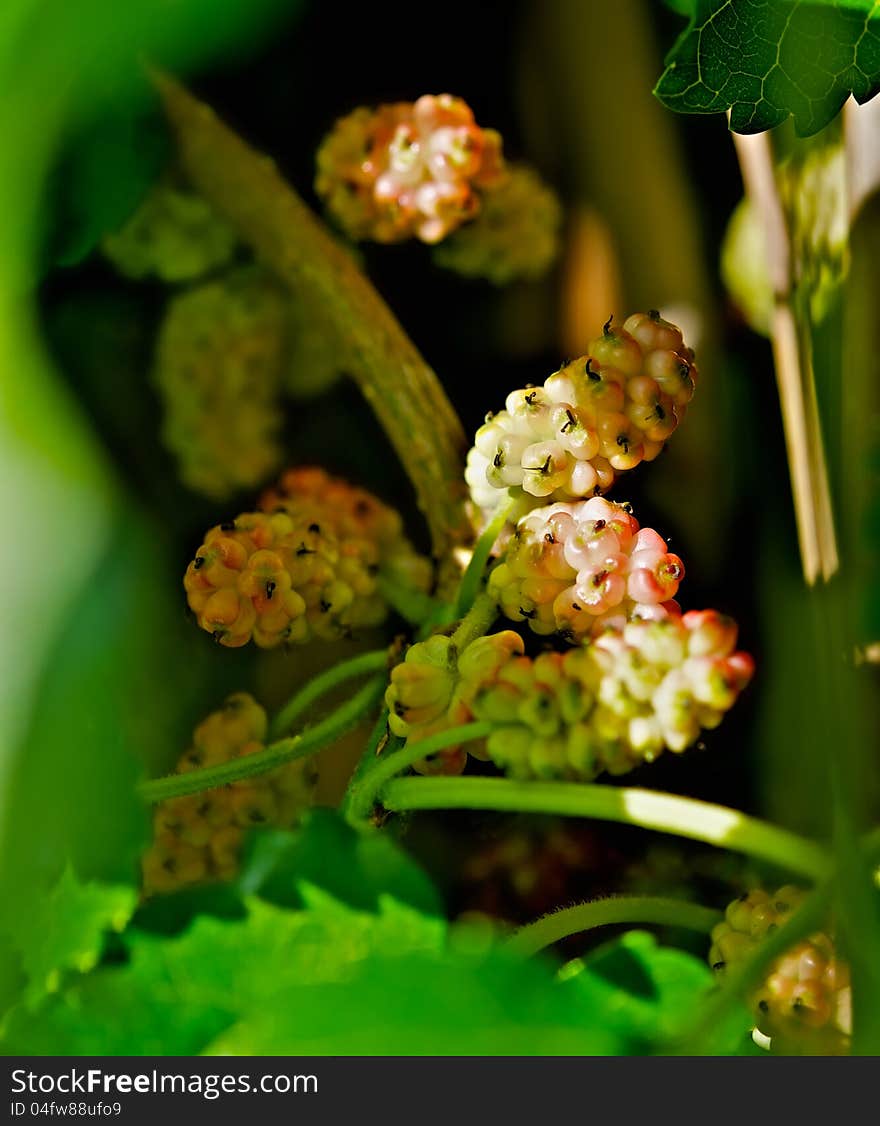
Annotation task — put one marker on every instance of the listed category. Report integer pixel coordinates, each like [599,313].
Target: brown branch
[407,397]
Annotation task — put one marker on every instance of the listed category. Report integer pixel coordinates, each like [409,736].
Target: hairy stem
[602,912]
[476,622]
[410,403]
[275,755]
[320,685]
[367,760]
[668,813]
[473,575]
[366,791]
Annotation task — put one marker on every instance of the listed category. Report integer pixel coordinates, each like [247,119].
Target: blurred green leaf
[64,930]
[646,993]
[90,607]
[108,702]
[106,170]
[766,60]
[176,994]
[332,980]
[357,867]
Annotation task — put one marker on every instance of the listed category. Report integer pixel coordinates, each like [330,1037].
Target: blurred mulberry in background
[197,839]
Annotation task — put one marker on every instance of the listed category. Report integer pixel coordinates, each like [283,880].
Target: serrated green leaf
[766,60]
[355,866]
[331,980]
[176,995]
[64,931]
[646,993]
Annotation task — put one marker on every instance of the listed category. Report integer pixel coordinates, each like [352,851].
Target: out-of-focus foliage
[89,608]
[357,867]
[766,60]
[331,978]
[649,990]
[65,931]
[812,189]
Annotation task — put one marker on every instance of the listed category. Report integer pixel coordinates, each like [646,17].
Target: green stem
[748,975]
[685,817]
[602,912]
[476,622]
[368,758]
[473,575]
[275,755]
[364,793]
[320,685]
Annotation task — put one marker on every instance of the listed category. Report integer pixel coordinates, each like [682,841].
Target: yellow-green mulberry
[198,838]
[218,367]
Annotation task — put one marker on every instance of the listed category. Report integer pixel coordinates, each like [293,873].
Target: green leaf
[323,980]
[766,60]
[111,699]
[645,993]
[65,931]
[357,867]
[107,169]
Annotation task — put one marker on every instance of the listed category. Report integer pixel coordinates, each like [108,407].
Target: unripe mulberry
[174,234]
[578,568]
[407,169]
[617,701]
[515,235]
[218,368]
[197,838]
[433,688]
[804,1003]
[596,417]
[309,568]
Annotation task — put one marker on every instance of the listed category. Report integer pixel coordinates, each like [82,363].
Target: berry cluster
[198,838]
[308,567]
[515,235]
[615,701]
[434,687]
[581,567]
[218,368]
[173,235]
[407,169]
[597,416]
[804,1004]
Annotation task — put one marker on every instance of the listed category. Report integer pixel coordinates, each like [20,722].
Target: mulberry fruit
[578,568]
[407,170]
[804,1003]
[433,688]
[198,838]
[218,369]
[608,705]
[515,235]
[617,701]
[309,568]
[174,235]
[596,417]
